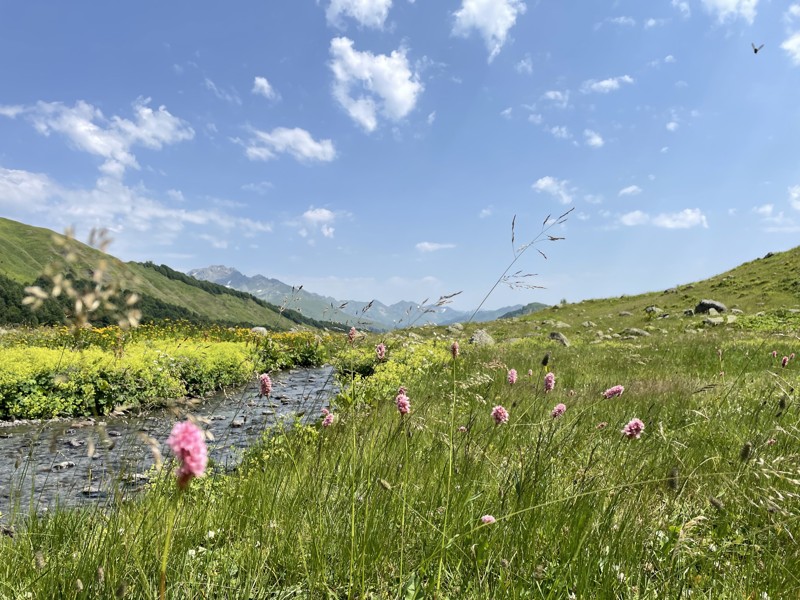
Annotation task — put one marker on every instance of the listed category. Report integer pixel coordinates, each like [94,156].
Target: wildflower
[189,445]
[771,442]
[454,349]
[512,376]
[488,519]
[380,350]
[351,335]
[613,392]
[633,429]
[784,361]
[602,425]
[328,420]
[403,403]
[791,356]
[558,410]
[500,415]
[266,385]
[549,382]
[530,372]
[774,354]
[462,429]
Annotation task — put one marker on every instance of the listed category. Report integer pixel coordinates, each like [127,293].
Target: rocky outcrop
[705,305]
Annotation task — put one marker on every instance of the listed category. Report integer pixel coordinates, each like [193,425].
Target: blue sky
[381,148]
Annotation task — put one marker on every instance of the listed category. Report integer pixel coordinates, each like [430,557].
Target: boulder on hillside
[625,313]
[653,310]
[559,337]
[705,305]
[259,330]
[634,332]
[481,338]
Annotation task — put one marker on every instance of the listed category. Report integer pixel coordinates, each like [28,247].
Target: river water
[74,462]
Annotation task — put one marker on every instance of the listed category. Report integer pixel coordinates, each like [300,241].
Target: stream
[72,462]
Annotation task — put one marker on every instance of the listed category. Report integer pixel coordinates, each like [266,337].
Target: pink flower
[512,376]
[602,425]
[530,372]
[403,403]
[791,356]
[454,349]
[613,392]
[633,429]
[549,382]
[784,361]
[380,350]
[402,389]
[328,420]
[265,384]
[772,442]
[500,415]
[488,519]
[189,445]
[774,354]
[351,335]
[462,429]
[558,410]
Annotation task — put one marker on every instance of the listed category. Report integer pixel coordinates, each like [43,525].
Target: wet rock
[76,443]
[93,491]
[238,422]
[62,466]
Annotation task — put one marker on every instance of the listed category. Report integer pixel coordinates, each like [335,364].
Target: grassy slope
[26,250]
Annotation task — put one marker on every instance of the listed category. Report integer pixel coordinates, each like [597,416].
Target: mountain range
[373,315]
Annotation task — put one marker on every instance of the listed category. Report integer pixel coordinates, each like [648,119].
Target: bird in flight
[755,50]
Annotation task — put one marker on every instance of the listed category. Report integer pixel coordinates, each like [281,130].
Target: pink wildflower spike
[500,415]
[530,372]
[614,391]
[403,403]
[512,376]
[328,420]
[351,335]
[462,429]
[772,442]
[634,429]
[188,444]
[454,349]
[265,385]
[774,354]
[549,382]
[602,425]
[380,351]
[791,356]
[558,410]
[784,361]
[488,519]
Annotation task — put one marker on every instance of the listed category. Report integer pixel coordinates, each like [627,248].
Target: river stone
[238,422]
[559,337]
[63,466]
[634,332]
[75,443]
[705,305]
[93,491]
[481,338]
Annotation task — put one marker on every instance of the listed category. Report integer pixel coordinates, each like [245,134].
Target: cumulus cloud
[23,189]
[685,219]
[593,139]
[368,13]
[486,212]
[672,126]
[791,46]
[492,19]
[298,143]
[386,84]
[606,85]
[554,187]
[560,132]
[433,246]
[525,65]
[112,139]
[318,216]
[557,97]
[683,7]
[261,188]
[262,87]
[794,196]
[631,190]
[650,23]
[227,95]
[764,210]
[731,9]
[10,110]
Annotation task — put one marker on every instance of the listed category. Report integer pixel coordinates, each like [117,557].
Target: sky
[381,149]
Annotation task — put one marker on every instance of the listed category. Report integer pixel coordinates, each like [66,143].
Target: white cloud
[636,217]
[266,145]
[765,210]
[669,58]
[535,118]
[318,216]
[176,195]
[557,97]
[593,199]
[560,132]
[731,9]
[650,23]
[327,231]
[431,117]
[215,242]
[606,85]
[557,188]
[683,7]
[664,149]
[525,65]
[506,113]
[793,12]
[112,139]
[10,111]
[226,95]
[433,246]
[593,138]
[491,18]
[624,21]
[261,188]
[794,196]
[262,87]
[672,126]
[368,13]
[23,189]
[387,83]
[791,46]
[631,190]
[486,212]
[685,219]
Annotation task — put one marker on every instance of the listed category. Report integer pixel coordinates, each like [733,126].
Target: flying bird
[755,50]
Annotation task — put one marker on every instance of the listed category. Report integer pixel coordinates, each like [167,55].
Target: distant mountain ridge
[373,315]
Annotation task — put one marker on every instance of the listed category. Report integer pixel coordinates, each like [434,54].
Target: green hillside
[25,251]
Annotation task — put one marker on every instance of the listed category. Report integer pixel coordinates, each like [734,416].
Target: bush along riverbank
[52,372]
